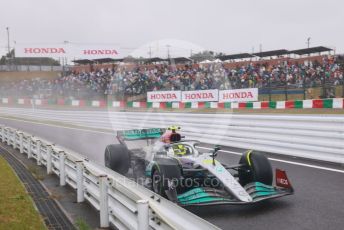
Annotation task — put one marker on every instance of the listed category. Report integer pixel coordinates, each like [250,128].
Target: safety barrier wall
[335,103]
[120,202]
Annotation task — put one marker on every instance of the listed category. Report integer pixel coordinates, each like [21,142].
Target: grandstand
[279,74]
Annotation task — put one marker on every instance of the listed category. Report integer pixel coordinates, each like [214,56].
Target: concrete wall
[16,76]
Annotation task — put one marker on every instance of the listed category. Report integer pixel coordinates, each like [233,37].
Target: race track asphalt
[318,202]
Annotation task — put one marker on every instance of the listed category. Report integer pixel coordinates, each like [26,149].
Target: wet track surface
[318,202]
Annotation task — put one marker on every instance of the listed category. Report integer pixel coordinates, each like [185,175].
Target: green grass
[16,208]
[82,225]
[34,169]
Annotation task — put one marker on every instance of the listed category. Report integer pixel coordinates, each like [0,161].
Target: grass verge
[16,208]
[82,225]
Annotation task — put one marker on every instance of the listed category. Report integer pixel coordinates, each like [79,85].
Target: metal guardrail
[120,201]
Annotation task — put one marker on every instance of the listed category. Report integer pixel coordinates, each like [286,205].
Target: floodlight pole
[8,40]
[150,52]
[8,48]
[308,42]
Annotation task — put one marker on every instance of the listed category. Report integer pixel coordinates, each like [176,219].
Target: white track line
[285,161]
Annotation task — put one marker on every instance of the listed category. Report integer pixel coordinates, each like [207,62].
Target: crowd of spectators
[123,82]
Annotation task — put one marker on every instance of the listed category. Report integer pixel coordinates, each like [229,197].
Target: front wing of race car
[203,196]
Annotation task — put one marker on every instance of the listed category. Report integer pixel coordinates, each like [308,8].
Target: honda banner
[66,50]
[164,96]
[238,95]
[200,95]
[94,51]
[214,95]
[34,50]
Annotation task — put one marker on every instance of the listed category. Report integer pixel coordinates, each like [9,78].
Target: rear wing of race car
[139,134]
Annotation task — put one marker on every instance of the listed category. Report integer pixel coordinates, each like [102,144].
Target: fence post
[62,158]
[79,181]
[49,152]
[8,136]
[14,137]
[323,83]
[29,147]
[143,217]
[269,89]
[39,154]
[104,206]
[21,143]
[3,133]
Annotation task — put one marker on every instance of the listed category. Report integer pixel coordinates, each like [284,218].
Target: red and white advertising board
[200,95]
[66,50]
[94,52]
[34,50]
[164,96]
[238,95]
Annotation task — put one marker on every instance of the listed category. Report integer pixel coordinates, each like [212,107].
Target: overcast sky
[220,25]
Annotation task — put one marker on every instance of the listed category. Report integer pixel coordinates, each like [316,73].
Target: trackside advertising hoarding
[164,96]
[238,95]
[214,95]
[200,95]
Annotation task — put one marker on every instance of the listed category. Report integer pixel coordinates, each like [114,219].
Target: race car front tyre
[256,168]
[117,158]
[157,182]
[165,179]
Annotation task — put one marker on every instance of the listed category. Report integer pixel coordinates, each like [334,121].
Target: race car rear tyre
[117,158]
[257,168]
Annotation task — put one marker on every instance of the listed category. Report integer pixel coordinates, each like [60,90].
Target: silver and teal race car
[175,168]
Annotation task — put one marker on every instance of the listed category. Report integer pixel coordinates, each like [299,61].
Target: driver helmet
[180,150]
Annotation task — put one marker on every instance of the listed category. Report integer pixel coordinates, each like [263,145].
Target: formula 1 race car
[175,168]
